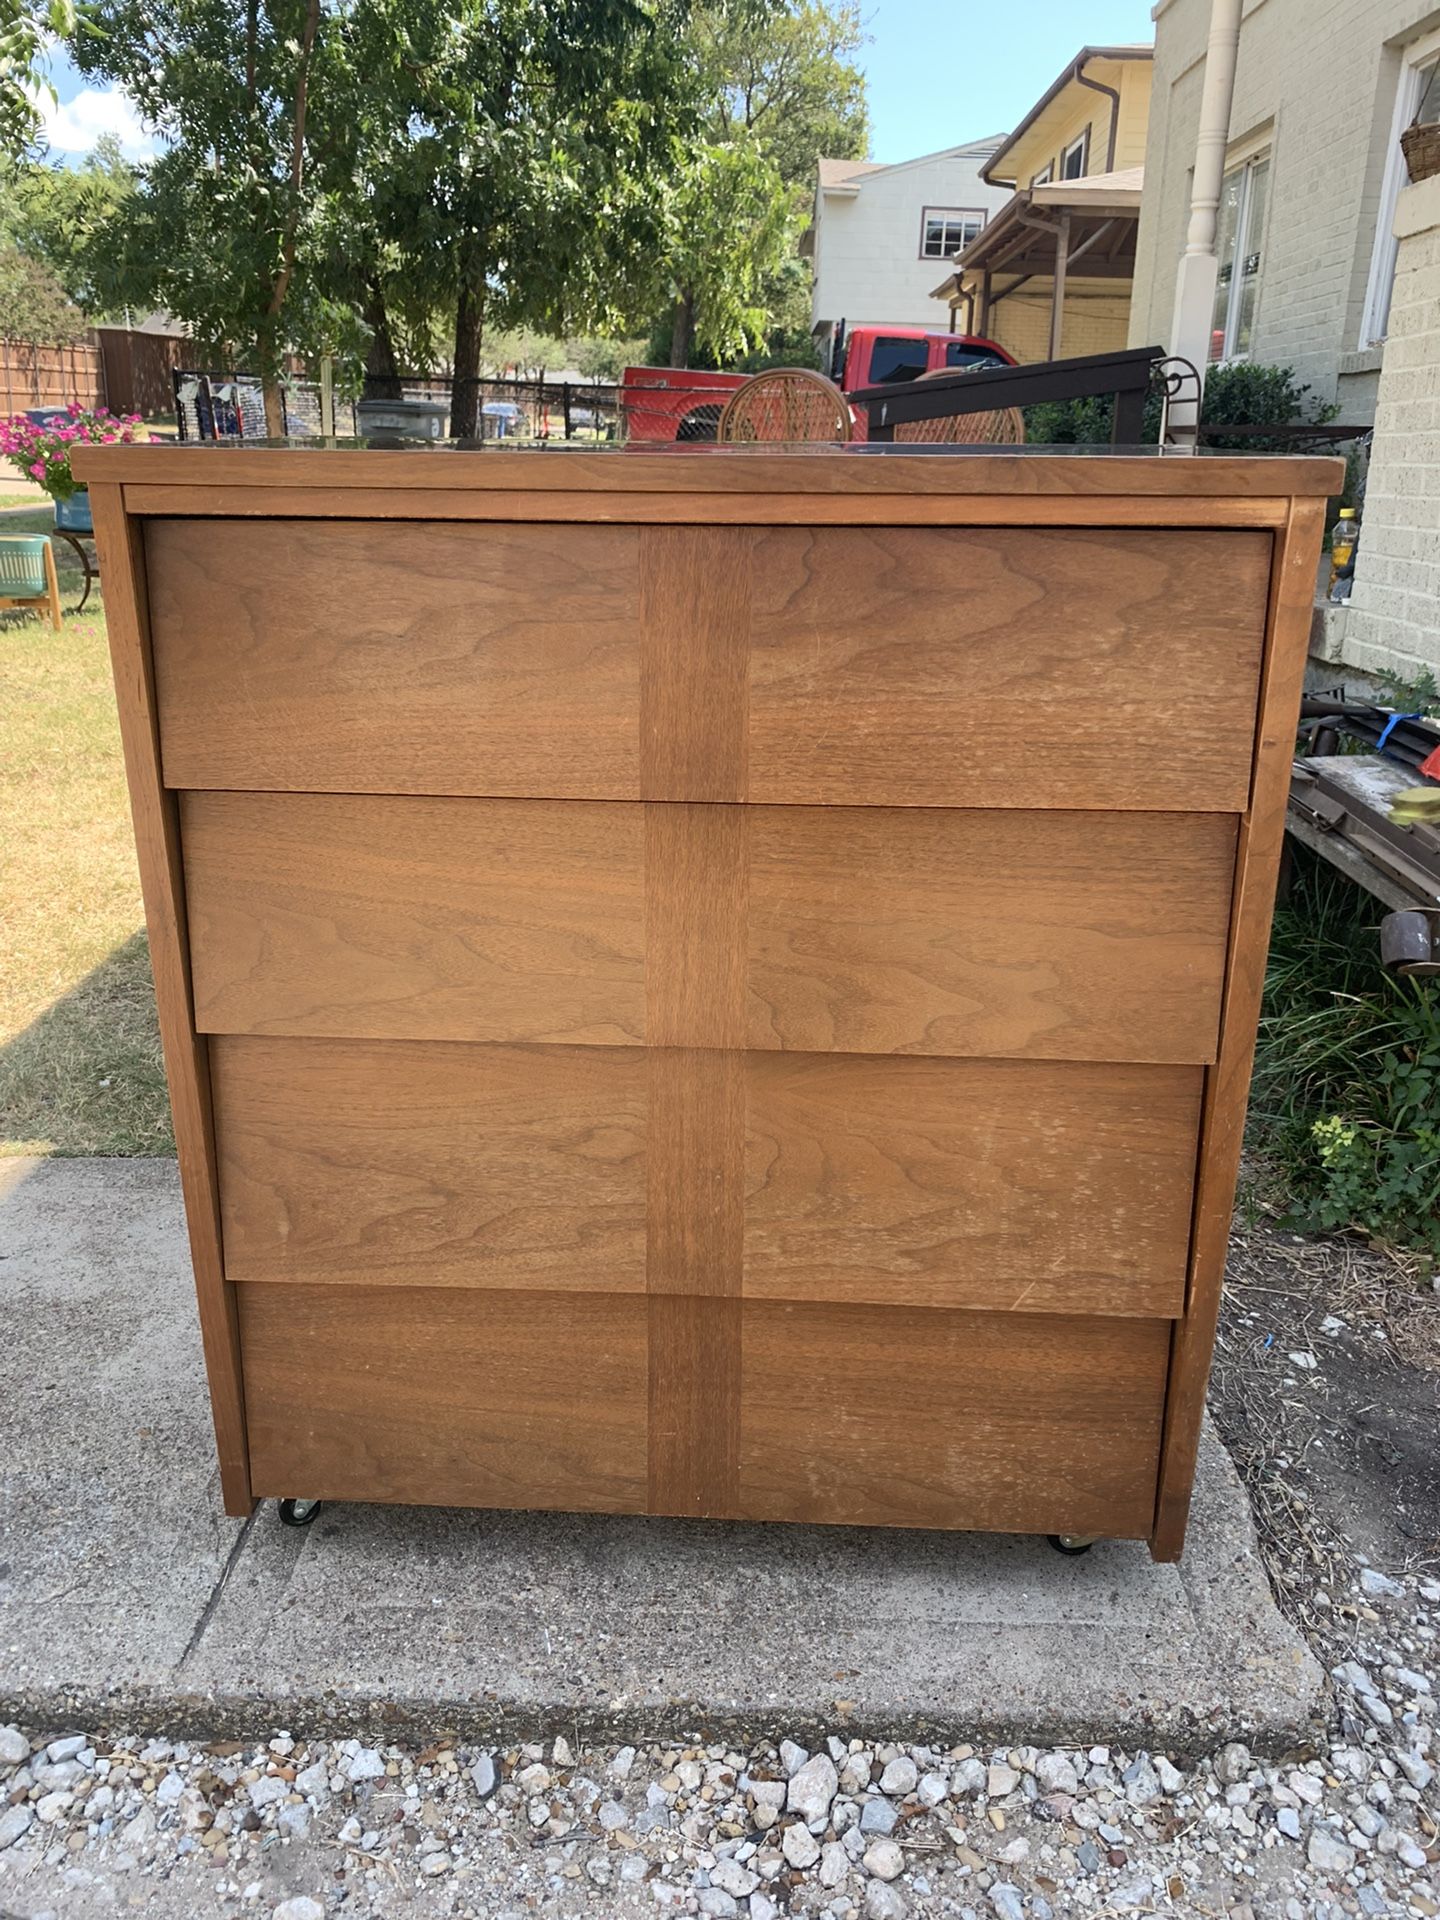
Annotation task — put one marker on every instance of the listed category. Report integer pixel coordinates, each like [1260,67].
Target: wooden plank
[366,659]
[404,918]
[704,509]
[1222,1126]
[456,1398]
[894,1416]
[378,1164]
[917,667]
[696,1211]
[694,658]
[1073,936]
[1006,1185]
[708,469]
[157,843]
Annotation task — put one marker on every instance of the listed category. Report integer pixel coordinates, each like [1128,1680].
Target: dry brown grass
[79,1053]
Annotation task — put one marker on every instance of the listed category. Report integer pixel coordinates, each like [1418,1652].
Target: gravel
[299,1829]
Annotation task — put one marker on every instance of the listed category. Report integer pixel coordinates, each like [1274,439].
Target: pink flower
[38,469]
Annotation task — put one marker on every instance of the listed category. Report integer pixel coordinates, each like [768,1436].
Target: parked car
[685,403]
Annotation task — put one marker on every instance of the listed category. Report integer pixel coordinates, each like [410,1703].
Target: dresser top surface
[699,469]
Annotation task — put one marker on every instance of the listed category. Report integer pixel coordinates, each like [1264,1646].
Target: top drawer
[895,666]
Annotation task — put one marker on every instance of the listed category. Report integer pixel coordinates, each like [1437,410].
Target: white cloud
[75,125]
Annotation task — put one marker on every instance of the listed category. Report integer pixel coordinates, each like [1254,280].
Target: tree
[520,176]
[781,89]
[25,26]
[56,213]
[227,229]
[33,304]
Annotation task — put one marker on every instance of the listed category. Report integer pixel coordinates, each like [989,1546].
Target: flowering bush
[41,449]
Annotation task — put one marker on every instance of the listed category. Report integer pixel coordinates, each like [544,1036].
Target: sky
[940,71]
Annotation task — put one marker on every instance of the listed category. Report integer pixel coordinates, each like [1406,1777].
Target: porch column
[1195,282]
[1062,260]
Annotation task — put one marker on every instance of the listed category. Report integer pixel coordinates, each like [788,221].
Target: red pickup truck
[676,403]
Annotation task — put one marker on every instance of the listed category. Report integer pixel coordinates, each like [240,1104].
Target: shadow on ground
[87,1077]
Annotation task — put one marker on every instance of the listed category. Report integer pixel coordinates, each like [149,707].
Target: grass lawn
[80,1068]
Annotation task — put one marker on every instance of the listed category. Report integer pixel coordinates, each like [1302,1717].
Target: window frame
[1045,176]
[1082,142]
[949,215]
[1244,163]
[1415,60]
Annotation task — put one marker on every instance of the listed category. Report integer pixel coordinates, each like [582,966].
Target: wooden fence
[32,376]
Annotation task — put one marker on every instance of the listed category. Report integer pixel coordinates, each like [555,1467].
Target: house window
[1418,97]
[1073,159]
[1238,243]
[1044,177]
[947,230]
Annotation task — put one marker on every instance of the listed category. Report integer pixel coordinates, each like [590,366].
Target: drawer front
[1007,934]
[1004,1185]
[461,1398]
[868,1416]
[1108,669]
[859,1416]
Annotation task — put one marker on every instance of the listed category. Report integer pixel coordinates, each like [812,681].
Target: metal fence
[217,406]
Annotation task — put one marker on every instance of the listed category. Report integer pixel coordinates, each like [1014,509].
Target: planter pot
[73,515]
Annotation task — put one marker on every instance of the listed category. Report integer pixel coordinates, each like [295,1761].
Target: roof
[844,176]
[1136,51]
[1099,201]
[838,173]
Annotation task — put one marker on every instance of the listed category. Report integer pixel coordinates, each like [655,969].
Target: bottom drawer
[860,1415]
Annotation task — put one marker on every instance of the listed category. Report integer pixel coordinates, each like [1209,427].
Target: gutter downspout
[1112,94]
[1195,280]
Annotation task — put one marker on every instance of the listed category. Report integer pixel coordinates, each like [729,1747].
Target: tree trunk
[382,374]
[274,409]
[682,334]
[465,395]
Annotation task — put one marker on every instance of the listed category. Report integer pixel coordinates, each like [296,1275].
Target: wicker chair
[1001,426]
[786,404]
[27,574]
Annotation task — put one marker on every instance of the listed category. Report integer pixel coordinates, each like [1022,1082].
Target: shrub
[1235,395]
[1345,1104]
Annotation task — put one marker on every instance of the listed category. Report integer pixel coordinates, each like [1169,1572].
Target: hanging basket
[1421,148]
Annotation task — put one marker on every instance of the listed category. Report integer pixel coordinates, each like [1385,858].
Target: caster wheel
[299,1513]
[1071,1543]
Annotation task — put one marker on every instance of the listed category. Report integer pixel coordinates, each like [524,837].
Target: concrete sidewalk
[128,1599]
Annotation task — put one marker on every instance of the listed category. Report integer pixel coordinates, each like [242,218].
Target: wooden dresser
[710,982]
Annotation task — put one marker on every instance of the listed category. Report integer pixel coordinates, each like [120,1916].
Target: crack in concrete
[207,1612]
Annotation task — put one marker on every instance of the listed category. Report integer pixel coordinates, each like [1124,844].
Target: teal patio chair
[27,574]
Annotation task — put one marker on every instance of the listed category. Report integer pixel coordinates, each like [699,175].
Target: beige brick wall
[1318,78]
[1392,623]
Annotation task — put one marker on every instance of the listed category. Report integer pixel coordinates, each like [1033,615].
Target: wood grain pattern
[1228,1083]
[831,666]
[917,667]
[695,647]
[891,1416]
[697,1170]
[395,659]
[162,883]
[863,930]
[452,1399]
[668,508]
[1057,935]
[969,1183]
[694,1412]
[383,1164]
[687,469]
[406,918]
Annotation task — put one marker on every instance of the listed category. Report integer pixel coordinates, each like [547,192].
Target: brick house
[1327,262]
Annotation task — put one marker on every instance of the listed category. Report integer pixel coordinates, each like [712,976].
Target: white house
[880,233]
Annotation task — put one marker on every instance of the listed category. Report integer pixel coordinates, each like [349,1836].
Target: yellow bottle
[1342,542]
